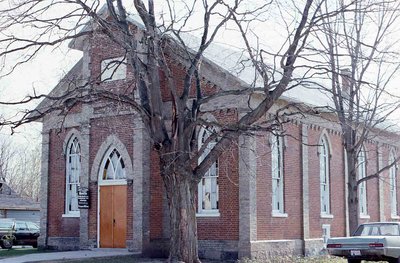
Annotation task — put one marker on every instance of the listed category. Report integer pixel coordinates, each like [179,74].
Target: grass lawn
[130,259]
[291,259]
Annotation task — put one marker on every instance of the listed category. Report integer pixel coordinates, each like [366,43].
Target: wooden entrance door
[113,199]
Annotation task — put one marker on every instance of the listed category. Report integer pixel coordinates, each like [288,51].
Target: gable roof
[223,66]
[227,63]
[10,200]
[74,75]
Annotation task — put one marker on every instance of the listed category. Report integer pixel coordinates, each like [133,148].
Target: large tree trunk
[180,192]
[353,194]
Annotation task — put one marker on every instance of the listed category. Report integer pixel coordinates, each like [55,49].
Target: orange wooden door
[120,218]
[106,216]
[113,218]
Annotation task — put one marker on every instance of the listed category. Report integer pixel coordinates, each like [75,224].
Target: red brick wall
[178,71]
[226,226]
[58,226]
[385,181]
[372,184]
[273,228]
[100,129]
[101,48]
[337,187]
[269,227]
[156,197]
[337,184]
[129,229]
[386,184]
[93,211]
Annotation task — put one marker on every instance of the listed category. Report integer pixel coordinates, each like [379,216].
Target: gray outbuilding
[14,206]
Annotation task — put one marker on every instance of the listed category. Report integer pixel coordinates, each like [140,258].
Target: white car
[372,242]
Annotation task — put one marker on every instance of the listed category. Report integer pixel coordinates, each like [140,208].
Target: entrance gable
[112,171]
[112,142]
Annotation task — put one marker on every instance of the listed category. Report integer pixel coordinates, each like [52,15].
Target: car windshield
[32,226]
[378,230]
[20,225]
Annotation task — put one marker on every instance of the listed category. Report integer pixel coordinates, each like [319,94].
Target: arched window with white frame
[393,183]
[208,189]
[73,170]
[277,174]
[324,173]
[362,187]
[113,169]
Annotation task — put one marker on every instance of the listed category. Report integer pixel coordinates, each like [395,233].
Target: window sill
[395,216]
[365,217]
[281,215]
[71,215]
[329,216]
[208,214]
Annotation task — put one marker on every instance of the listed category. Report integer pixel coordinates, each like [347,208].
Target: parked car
[372,242]
[14,232]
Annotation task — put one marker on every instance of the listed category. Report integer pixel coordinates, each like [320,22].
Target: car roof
[6,220]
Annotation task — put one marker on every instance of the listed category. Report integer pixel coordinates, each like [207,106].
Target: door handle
[114,221]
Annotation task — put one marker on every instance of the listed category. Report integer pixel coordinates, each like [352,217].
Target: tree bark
[183,241]
[353,192]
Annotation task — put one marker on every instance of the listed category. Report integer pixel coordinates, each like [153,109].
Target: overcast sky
[41,75]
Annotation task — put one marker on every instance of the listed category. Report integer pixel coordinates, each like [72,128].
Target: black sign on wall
[83,198]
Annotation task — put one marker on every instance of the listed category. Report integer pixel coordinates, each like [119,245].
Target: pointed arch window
[393,184]
[113,169]
[277,174]
[208,189]
[324,172]
[73,171]
[362,187]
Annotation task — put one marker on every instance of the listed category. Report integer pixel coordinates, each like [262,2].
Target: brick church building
[268,194]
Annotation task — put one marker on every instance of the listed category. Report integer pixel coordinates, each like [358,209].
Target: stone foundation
[218,249]
[208,249]
[157,248]
[314,247]
[268,249]
[63,243]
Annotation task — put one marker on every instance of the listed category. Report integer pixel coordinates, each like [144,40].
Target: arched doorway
[112,205]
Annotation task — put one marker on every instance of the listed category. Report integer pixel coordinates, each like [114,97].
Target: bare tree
[25,179]
[20,168]
[173,137]
[7,153]
[361,61]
